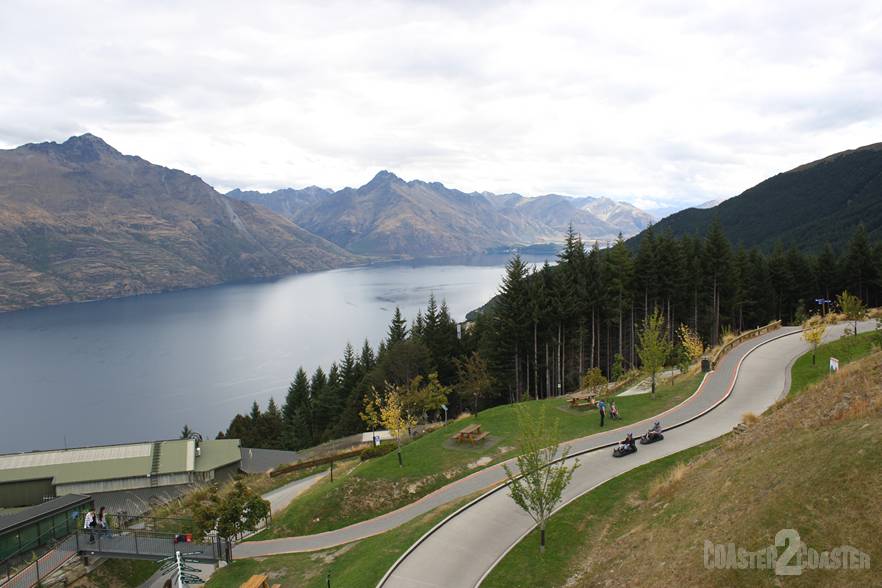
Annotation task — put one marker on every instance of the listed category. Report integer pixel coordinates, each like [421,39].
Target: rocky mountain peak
[383,177]
[78,149]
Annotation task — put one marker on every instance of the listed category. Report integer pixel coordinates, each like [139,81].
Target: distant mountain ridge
[390,216]
[815,203]
[81,221]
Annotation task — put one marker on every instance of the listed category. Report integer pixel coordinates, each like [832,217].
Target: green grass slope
[846,349]
[813,463]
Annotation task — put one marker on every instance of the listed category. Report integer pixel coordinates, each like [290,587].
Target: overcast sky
[657,103]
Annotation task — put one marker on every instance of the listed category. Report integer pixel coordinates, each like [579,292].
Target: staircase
[154,466]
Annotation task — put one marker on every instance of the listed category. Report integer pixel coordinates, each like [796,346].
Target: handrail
[34,545]
[32,572]
[100,542]
[743,336]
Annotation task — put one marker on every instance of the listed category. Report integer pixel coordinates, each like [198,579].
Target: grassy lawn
[361,563]
[575,526]
[432,461]
[846,349]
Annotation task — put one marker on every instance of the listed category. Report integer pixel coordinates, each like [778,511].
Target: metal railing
[31,574]
[101,543]
[123,521]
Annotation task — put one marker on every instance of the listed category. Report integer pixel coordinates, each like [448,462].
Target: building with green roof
[30,478]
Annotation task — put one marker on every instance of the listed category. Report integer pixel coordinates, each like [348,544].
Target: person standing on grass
[601,406]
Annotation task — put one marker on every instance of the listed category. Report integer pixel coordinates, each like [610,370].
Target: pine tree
[618,290]
[513,312]
[367,360]
[398,328]
[717,273]
[860,269]
[272,427]
[297,413]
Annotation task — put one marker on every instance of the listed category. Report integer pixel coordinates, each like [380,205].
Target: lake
[140,368]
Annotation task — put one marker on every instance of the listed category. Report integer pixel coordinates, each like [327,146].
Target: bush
[377,451]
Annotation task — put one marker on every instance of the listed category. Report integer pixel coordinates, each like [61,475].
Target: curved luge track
[461,550]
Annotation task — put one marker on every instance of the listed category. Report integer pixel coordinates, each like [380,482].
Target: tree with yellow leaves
[394,417]
[813,330]
[692,343]
[371,413]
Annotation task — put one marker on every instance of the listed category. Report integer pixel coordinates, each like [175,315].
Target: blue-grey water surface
[140,368]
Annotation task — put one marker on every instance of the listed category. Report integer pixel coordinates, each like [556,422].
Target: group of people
[652,434]
[613,411]
[96,522]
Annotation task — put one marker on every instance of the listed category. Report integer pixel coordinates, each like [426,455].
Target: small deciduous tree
[423,396]
[538,485]
[813,330]
[691,342]
[474,378]
[237,511]
[653,346]
[595,382]
[394,417]
[373,403]
[853,308]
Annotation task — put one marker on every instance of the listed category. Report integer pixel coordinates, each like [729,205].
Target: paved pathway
[282,497]
[467,546]
[645,386]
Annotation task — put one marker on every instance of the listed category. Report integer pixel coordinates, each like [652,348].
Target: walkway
[282,497]
[464,548]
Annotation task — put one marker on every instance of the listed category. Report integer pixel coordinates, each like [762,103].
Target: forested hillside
[816,203]
[550,325]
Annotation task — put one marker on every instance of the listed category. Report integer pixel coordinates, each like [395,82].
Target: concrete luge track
[461,550]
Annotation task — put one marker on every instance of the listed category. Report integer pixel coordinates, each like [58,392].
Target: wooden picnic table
[471,433]
[584,400]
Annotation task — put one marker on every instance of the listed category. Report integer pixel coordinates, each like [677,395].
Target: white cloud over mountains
[663,102]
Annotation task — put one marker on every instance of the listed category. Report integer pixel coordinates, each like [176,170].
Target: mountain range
[81,221]
[392,217]
[813,204]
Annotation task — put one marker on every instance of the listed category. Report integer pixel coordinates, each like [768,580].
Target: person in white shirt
[89,523]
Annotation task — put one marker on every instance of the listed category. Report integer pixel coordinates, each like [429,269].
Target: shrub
[377,451]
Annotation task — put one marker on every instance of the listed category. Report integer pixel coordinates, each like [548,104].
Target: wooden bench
[259,581]
[475,439]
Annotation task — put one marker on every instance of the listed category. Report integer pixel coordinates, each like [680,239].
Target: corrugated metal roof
[66,456]
[118,461]
[214,454]
[46,509]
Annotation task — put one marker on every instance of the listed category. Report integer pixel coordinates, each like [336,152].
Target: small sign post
[444,408]
[834,365]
